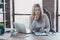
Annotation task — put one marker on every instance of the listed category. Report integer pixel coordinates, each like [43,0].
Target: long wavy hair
[33,13]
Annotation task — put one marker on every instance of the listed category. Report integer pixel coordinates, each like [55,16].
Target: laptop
[20,27]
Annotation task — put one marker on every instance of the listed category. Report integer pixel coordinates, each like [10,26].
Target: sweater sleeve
[47,23]
[32,26]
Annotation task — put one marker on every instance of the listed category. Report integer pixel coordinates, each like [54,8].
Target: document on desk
[3,39]
[40,34]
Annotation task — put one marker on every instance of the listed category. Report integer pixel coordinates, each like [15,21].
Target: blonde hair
[33,14]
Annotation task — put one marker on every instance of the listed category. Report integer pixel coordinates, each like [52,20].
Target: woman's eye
[38,9]
[35,10]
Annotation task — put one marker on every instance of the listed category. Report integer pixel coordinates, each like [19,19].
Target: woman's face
[37,11]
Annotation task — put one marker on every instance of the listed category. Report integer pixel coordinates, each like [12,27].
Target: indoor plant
[1,28]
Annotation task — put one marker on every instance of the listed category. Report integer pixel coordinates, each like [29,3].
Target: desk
[20,36]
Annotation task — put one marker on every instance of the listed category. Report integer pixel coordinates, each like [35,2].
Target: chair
[49,16]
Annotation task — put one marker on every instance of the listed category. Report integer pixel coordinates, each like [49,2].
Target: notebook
[40,34]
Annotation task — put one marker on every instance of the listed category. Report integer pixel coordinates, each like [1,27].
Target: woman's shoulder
[45,15]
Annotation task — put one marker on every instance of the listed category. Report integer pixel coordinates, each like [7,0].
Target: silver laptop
[20,27]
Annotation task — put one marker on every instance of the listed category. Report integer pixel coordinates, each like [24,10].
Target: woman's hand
[42,29]
[36,17]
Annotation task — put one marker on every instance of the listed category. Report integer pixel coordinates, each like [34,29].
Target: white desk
[20,36]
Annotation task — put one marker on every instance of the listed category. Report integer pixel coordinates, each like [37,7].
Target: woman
[39,22]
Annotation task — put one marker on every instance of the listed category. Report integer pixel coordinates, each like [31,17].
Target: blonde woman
[39,22]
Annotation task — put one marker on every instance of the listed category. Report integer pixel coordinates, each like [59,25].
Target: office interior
[19,11]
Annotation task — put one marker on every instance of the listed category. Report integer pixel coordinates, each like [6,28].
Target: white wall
[58,24]
[11,17]
[55,15]
[59,16]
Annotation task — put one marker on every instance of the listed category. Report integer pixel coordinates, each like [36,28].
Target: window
[23,19]
[25,6]
[22,11]
[1,17]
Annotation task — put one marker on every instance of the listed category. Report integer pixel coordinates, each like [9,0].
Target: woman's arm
[33,23]
[47,23]
[32,26]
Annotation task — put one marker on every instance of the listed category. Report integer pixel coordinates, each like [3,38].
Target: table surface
[20,36]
